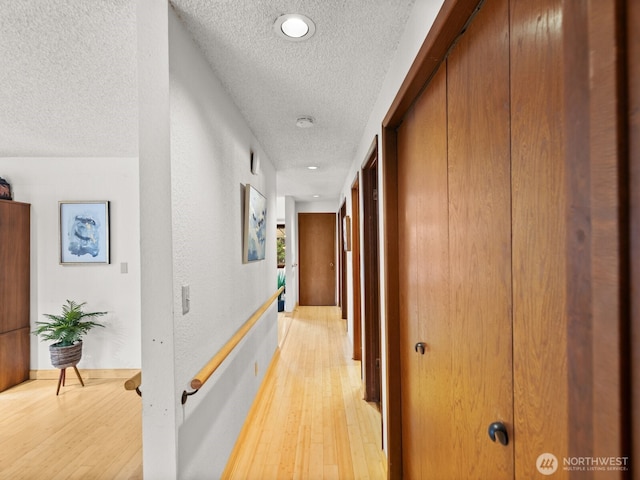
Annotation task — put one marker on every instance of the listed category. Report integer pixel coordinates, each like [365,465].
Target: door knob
[421,347]
[498,431]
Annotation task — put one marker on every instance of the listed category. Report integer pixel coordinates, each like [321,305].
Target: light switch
[124,267]
[186,300]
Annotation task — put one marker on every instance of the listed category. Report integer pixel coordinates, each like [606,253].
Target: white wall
[210,166]
[418,26]
[43,182]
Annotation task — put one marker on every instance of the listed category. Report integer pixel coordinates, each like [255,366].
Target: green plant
[68,328]
[281,279]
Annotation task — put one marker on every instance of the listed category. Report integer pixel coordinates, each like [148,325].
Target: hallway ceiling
[68,82]
[335,76]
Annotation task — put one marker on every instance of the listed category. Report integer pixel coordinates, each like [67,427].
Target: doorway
[372,371]
[355,269]
[342,256]
[316,258]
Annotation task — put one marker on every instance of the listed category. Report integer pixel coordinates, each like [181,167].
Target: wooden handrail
[134,383]
[203,375]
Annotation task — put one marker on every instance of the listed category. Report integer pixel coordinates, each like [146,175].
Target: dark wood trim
[355,268]
[371,256]
[579,305]
[633,112]
[342,259]
[597,247]
[451,21]
[392,299]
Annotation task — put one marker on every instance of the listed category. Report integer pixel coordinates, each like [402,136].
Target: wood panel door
[317,258]
[423,250]
[454,207]
[480,244]
[371,249]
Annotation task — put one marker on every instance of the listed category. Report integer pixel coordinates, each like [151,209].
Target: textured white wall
[210,166]
[43,182]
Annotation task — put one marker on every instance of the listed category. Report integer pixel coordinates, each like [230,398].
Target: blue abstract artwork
[255,225]
[84,232]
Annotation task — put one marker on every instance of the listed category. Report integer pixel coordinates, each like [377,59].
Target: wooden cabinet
[14,293]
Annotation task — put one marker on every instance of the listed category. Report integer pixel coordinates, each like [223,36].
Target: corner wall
[43,182]
[210,167]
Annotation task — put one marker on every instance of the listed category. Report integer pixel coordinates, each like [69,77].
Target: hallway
[309,420]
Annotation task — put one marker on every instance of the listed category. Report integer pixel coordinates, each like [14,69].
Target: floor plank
[309,420]
[91,432]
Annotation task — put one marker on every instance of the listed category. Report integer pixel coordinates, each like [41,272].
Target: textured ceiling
[68,77]
[335,77]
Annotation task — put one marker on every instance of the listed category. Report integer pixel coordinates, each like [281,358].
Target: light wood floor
[91,432]
[309,420]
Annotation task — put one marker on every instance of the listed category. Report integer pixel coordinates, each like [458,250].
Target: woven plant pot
[64,357]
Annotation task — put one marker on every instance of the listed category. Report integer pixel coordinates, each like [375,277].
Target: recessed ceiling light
[316,196]
[305,122]
[295,27]
[312,167]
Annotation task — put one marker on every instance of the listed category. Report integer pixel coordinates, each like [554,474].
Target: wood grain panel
[633,53]
[317,258]
[607,159]
[480,244]
[14,273]
[539,231]
[14,357]
[308,420]
[423,244]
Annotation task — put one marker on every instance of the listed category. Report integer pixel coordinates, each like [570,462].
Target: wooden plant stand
[63,376]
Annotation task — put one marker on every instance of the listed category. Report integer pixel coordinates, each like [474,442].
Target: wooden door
[454,221]
[371,365]
[316,258]
[480,244]
[423,251]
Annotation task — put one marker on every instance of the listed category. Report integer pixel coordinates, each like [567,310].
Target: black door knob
[420,347]
[498,431]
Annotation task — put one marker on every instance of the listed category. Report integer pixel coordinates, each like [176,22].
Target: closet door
[423,240]
[454,238]
[480,315]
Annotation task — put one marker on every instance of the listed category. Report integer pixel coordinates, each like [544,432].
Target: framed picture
[84,232]
[255,225]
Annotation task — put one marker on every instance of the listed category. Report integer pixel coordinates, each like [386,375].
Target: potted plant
[281,283]
[66,331]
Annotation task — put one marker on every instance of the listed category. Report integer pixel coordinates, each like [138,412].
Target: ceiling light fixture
[305,122]
[312,167]
[295,27]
